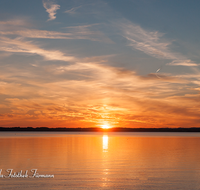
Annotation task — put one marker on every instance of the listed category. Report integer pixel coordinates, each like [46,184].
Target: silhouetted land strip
[101,130]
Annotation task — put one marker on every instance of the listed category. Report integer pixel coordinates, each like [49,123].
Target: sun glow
[105,127]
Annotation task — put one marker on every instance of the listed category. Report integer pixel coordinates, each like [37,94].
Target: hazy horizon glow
[88,64]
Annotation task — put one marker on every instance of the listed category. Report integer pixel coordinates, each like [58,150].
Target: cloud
[61,93]
[152,43]
[72,10]
[146,41]
[187,63]
[18,27]
[20,46]
[51,8]
[77,32]
[106,94]
[15,22]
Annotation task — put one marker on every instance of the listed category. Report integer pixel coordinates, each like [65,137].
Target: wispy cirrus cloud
[51,8]
[152,43]
[20,46]
[72,10]
[15,22]
[77,32]
[187,63]
[146,41]
[18,27]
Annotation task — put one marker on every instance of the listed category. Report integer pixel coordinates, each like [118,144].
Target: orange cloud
[105,94]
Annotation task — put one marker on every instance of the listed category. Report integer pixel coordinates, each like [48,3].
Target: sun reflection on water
[105,143]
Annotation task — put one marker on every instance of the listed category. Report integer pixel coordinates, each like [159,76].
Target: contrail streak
[159,70]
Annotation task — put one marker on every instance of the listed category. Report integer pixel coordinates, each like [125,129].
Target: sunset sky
[90,63]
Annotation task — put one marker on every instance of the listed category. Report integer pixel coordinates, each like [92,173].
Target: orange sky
[116,97]
[83,64]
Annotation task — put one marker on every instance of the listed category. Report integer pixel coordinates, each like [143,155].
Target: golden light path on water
[105,143]
[105,178]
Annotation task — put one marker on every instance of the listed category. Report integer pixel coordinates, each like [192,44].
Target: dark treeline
[101,130]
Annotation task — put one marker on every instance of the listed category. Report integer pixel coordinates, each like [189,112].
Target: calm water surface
[102,160]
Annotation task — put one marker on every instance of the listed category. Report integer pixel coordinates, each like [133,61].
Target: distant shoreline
[31,129]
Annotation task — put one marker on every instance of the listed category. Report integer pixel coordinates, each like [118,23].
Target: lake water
[101,160]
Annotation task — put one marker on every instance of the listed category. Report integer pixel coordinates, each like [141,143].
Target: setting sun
[105,127]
